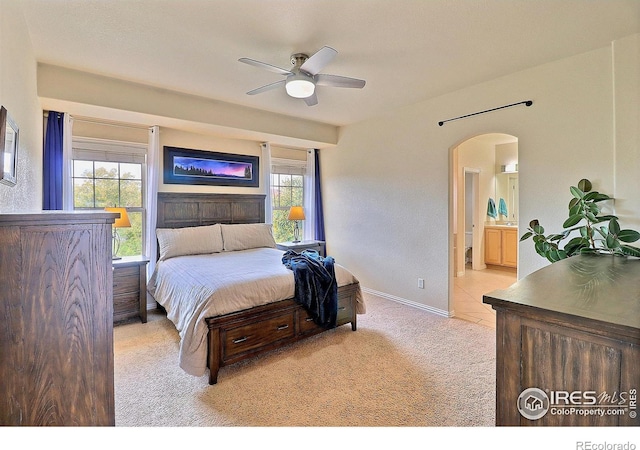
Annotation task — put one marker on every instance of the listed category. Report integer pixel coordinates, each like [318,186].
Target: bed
[222,282]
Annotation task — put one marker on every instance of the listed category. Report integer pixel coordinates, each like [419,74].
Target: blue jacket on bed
[316,288]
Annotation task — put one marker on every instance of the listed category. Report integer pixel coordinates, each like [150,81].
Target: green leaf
[576,209]
[539,238]
[538,229]
[601,197]
[611,241]
[526,236]
[602,231]
[629,250]
[591,217]
[572,220]
[606,218]
[574,202]
[584,185]
[614,226]
[542,247]
[552,255]
[577,193]
[628,235]
[576,244]
[534,223]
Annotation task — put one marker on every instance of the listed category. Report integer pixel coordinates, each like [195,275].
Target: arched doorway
[484,168]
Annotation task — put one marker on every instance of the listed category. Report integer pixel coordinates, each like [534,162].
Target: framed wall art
[187,166]
[9,147]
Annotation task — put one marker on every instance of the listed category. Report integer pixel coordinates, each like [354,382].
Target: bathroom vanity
[501,245]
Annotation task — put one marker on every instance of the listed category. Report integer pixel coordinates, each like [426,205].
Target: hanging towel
[491,209]
[502,207]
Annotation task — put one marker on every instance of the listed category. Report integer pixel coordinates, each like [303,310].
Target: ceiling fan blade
[269,67]
[311,100]
[338,81]
[267,87]
[318,60]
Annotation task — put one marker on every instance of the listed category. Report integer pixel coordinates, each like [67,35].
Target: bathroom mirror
[507,189]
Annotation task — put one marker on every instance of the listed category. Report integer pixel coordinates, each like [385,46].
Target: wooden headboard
[177,209]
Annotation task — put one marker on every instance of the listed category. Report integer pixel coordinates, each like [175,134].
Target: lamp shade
[296,213]
[123,220]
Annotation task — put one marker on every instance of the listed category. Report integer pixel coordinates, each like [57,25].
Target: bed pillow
[189,241]
[246,236]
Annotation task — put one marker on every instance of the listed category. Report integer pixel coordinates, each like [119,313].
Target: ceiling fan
[304,76]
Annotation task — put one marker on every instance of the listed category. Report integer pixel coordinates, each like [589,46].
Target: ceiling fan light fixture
[300,86]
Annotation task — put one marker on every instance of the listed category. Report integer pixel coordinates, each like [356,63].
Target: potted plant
[591,232]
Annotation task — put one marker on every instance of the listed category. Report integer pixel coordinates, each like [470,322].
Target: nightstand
[130,288]
[303,245]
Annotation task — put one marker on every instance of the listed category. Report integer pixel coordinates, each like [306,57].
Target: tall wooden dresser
[568,344]
[56,319]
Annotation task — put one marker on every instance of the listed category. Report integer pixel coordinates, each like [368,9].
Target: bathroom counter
[501,226]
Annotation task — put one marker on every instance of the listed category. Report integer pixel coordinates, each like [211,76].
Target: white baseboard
[404,301]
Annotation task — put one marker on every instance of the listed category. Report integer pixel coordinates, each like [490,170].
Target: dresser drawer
[126,306]
[129,288]
[126,280]
[306,323]
[256,335]
[345,308]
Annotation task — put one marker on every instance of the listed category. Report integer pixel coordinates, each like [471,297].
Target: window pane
[130,193]
[275,197]
[282,227]
[106,169]
[130,171]
[297,199]
[131,238]
[286,190]
[83,193]
[297,180]
[100,184]
[83,168]
[106,193]
[285,197]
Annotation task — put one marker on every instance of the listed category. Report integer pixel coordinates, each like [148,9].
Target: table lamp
[296,213]
[121,222]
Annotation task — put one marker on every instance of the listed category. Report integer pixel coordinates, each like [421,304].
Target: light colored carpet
[402,367]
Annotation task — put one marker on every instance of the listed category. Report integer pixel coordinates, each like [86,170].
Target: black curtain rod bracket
[525,102]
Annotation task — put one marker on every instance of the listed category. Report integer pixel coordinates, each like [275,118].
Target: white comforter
[192,288]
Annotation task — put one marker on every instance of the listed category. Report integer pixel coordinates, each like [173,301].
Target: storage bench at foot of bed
[244,334]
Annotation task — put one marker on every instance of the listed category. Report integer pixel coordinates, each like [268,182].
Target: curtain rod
[110,124]
[525,102]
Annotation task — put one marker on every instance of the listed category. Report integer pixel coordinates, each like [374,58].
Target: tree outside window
[100,184]
[287,190]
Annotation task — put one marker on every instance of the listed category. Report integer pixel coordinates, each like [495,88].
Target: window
[287,190]
[112,176]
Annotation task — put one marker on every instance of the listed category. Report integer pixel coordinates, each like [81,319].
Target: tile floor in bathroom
[469,289]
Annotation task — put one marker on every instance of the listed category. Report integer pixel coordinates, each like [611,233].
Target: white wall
[626,66]
[387,182]
[18,94]
[176,138]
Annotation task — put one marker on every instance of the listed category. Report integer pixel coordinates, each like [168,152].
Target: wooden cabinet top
[53,217]
[605,289]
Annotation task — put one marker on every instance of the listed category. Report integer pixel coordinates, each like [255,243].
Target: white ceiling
[406,50]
